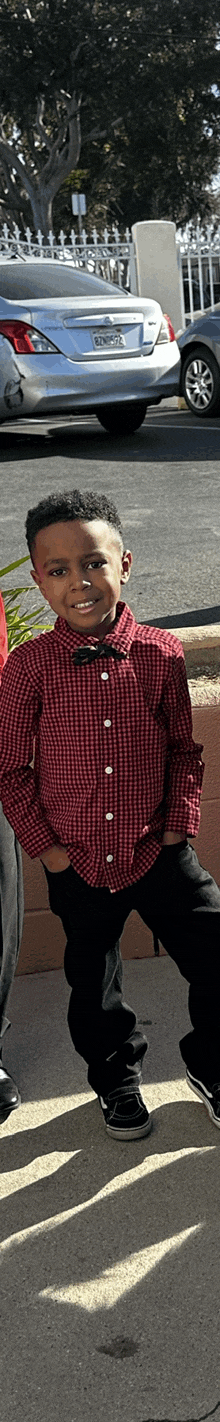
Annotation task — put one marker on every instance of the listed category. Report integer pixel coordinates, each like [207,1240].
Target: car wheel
[201,382]
[122,419]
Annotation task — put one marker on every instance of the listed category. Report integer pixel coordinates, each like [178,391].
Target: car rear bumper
[53,384]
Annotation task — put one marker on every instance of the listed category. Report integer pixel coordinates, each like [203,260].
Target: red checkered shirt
[115,763]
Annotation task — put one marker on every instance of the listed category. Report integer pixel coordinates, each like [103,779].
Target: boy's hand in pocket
[55,859]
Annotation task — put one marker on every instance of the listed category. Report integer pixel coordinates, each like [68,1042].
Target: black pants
[180,902]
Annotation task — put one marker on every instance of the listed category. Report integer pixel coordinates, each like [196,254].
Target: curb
[201,647]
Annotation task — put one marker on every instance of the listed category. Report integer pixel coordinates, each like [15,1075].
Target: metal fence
[110,256]
[199,270]
[113,257]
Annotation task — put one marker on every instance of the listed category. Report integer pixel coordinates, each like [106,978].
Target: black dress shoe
[9,1094]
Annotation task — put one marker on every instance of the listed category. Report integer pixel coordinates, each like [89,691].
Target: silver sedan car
[199,348]
[71,343]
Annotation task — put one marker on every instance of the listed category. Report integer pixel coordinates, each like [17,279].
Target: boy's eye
[57,572]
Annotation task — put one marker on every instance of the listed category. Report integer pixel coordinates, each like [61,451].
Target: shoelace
[88,654]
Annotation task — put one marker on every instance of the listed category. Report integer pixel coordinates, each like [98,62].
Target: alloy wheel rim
[199,383]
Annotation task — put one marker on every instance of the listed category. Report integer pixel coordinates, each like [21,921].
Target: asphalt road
[165,481]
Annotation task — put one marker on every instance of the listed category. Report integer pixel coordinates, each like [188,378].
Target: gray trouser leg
[11,912]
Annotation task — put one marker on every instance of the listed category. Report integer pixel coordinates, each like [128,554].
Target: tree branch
[16,200]
[65,150]
[74,56]
[39,126]
[33,150]
[100,133]
[9,156]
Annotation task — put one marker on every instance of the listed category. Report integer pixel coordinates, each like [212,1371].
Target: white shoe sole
[135,1133]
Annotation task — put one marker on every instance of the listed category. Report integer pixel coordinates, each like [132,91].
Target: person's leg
[181,902]
[102,1026]
[11,926]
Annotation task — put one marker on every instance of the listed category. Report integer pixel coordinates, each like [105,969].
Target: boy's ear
[127,560]
[39,583]
[35,577]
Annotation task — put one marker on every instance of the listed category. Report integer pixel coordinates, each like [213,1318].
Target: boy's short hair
[68,505]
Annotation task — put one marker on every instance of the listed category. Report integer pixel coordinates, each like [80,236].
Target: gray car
[73,343]
[199,348]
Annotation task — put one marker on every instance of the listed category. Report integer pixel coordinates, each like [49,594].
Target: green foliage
[21,626]
[149,76]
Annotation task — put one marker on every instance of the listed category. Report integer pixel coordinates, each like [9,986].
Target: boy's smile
[79,568]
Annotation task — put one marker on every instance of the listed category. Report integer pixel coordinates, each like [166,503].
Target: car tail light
[166,332]
[24,339]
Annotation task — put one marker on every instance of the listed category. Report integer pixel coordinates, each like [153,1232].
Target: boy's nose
[78,584]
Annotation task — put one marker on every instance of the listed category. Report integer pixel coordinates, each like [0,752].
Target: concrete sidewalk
[110,1251]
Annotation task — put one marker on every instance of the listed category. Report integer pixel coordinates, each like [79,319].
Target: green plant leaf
[21,626]
[17,564]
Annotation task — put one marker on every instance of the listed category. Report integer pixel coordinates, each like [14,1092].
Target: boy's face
[78,563]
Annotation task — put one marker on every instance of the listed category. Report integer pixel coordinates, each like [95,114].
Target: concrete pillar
[157,266]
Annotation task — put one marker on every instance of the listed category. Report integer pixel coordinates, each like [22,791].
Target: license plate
[111,339]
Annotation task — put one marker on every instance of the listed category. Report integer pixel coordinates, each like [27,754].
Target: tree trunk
[42,211]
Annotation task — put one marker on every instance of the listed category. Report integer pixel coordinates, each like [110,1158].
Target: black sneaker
[210,1095]
[126,1115]
[9,1094]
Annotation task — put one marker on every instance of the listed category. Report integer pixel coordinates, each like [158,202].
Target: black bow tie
[88,654]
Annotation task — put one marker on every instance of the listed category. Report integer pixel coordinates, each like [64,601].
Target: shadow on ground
[110,1251]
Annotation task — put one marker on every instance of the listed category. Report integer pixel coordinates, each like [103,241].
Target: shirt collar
[121,633]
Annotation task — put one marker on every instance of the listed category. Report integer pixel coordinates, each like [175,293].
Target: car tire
[124,418]
[201,382]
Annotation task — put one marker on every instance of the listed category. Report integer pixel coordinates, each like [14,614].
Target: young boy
[113,795]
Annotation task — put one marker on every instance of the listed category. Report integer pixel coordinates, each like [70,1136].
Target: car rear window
[25,282]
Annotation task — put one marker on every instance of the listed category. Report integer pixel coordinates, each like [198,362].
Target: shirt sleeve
[20,708]
[3,636]
[185,768]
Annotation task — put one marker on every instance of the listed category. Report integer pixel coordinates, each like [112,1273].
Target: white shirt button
[108,769]
[104,676]
[107,723]
[109,815]
[109,858]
